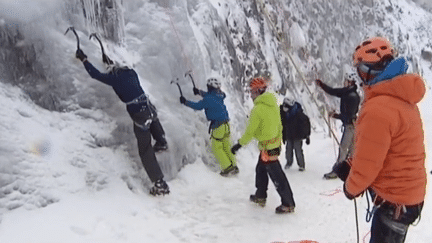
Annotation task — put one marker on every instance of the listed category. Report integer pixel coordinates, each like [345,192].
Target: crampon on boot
[160,188]
[160,147]
[231,170]
[330,176]
[259,201]
[284,209]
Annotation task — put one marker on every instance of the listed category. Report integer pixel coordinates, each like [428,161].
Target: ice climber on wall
[126,85]
[216,112]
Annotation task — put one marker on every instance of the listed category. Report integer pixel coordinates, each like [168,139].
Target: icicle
[105,17]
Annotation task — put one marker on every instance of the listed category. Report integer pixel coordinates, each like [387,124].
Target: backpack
[305,125]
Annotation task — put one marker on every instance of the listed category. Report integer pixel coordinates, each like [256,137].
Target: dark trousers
[157,132]
[279,179]
[389,230]
[147,154]
[294,146]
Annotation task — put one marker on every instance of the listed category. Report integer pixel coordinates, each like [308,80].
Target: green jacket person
[265,125]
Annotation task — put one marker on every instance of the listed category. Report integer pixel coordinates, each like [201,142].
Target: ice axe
[190,75]
[105,58]
[76,35]
[178,85]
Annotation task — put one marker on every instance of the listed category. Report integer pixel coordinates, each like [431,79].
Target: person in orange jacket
[389,153]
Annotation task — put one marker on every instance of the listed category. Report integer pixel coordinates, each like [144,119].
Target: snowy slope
[69,172]
[74,192]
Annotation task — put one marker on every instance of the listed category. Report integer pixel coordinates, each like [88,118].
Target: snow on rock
[297,36]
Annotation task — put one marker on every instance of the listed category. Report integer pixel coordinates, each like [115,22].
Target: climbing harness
[139,100]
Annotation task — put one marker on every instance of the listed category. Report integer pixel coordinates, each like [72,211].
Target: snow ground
[88,201]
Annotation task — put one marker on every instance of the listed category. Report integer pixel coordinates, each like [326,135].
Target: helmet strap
[370,71]
[373,70]
[364,74]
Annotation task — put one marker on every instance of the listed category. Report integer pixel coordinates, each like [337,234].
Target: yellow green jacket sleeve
[253,124]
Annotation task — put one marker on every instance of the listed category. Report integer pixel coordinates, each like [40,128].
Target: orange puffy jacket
[389,154]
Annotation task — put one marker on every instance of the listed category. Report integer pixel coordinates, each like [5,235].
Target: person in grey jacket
[349,106]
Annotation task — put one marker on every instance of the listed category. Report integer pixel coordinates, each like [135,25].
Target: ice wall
[105,17]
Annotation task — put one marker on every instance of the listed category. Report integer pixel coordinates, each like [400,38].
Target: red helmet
[258,83]
[373,50]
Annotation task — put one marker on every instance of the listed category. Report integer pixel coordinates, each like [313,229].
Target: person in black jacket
[295,128]
[126,85]
[349,106]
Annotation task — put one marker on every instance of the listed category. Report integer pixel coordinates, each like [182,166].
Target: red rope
[173,27]
[331,192]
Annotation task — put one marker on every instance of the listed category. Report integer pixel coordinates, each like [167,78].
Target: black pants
[157,132]
[147,154]
[389,230]
[279,179]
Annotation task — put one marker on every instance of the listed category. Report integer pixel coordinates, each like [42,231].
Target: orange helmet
[373,50]
[258,83]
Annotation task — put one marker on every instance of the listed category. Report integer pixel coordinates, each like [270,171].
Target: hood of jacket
[267,99]
[407,87]
[395,68]
[217,93]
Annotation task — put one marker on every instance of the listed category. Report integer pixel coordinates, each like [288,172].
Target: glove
[342,169]
[106,60]
[236,147]
[182,100]
[196,91]
[335,115]
[319,83]
[80,55]
[307,140]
